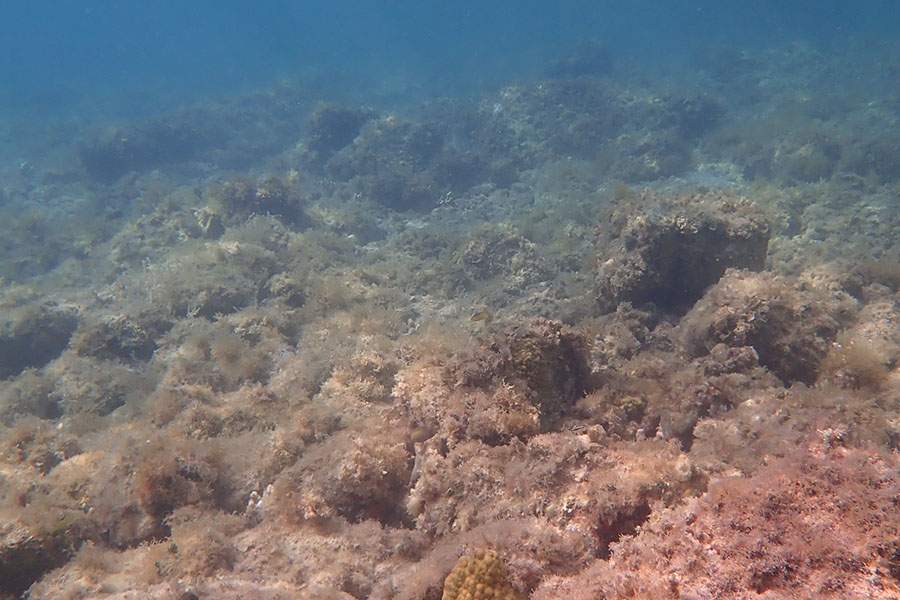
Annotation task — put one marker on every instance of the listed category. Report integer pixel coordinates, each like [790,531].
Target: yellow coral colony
[480,577]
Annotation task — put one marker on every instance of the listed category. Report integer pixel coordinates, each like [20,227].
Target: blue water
[133,56]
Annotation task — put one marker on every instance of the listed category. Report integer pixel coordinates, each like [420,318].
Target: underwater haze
[130,56]
[462,300]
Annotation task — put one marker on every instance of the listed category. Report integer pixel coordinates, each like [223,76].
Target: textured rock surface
[33,336]
[789,323]
[669,250]
[814,526]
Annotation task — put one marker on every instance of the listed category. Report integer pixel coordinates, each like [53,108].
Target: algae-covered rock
[24,557]
[669,250]
[790,325]
[333,126]
[34,335]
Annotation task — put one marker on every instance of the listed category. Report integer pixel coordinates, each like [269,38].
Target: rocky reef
[535,344]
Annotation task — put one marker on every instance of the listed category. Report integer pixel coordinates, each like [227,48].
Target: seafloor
[607,334]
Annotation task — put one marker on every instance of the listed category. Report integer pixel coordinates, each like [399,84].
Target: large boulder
[668,250]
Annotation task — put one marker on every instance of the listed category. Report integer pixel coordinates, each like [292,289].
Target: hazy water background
[103,58]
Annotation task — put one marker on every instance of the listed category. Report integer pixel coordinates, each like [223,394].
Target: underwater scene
[401,300]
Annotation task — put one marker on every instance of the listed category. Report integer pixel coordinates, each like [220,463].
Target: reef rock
[33,336]
[790,324]
[669,250]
